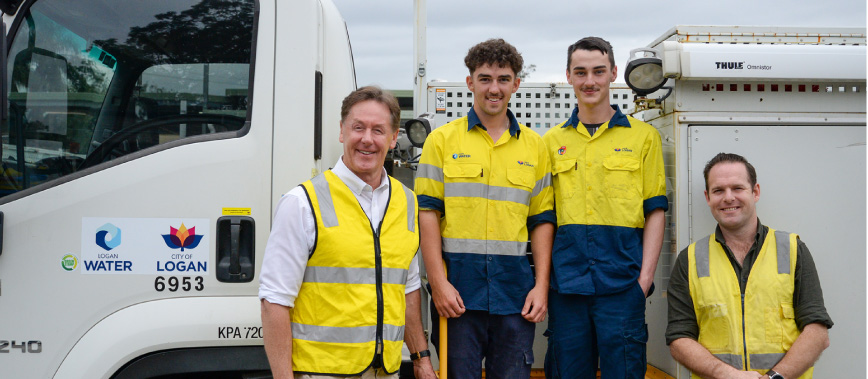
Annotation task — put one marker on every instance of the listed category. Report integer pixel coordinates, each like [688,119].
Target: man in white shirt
[339,286]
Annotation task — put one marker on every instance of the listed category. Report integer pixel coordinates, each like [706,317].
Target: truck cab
[144,147]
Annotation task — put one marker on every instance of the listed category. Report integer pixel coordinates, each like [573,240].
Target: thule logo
[729,65]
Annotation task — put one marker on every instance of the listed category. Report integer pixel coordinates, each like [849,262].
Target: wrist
[419,356]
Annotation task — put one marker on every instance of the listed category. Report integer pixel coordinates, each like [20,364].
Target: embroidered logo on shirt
[562,150]
[460,155]
[624,149]
[523,163]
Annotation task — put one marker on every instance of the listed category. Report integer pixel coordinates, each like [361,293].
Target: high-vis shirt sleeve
[292,236]
[654,176]
[541,208]
[429,175]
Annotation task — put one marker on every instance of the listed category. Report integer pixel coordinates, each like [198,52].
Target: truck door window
[91,81]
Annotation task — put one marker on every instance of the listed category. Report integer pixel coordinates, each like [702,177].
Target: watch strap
[772,374]
[420,355]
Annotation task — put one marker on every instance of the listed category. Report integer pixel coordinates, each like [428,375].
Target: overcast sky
[381,31]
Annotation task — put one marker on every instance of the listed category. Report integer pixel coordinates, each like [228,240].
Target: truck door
[131,132]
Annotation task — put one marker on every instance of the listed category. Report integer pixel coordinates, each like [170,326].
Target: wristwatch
[427,353]
[774,375]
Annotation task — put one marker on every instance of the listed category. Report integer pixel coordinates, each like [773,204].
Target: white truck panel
[161,325]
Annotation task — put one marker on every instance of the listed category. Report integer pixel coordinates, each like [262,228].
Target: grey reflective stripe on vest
[782,240]
[733,360]
[411,206]
[485,191]
[765,361]
[353,275]
[546,181]
[429,171]
[458,245]
[324,198]
[700,254]
[334,334]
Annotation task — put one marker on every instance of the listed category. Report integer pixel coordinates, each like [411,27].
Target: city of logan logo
[182,238]
[624,149]
[523,163]
[108,236]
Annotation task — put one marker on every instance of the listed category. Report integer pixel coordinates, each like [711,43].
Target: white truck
[792,101]
[144,147]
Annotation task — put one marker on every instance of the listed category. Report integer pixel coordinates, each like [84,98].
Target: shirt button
[490,258]
[589,188]
[589,164]
[590,212]
[593,261]
[489,280]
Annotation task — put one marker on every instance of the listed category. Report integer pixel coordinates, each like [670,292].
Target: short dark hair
[377,94]
[495,51]
[730,158]
[591,44]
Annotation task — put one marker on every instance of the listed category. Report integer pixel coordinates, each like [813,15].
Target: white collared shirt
[293,234]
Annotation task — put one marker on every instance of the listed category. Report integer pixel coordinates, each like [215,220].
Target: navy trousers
[583,330]
[505,342]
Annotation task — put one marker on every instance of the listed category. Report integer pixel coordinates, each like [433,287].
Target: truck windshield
[91,81]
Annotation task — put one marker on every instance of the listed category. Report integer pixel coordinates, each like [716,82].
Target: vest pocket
[780,325]
[714,328]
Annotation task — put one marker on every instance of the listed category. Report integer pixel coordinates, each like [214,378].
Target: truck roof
[763,35]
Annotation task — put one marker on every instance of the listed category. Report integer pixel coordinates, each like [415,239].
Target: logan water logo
[182,238]
[562,150]
[108,236]
[460,155]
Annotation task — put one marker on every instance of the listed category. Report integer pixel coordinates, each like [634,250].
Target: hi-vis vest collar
[349,313]
[751,331]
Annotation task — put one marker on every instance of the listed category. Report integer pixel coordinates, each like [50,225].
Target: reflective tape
[487,192]
[411,207]
[546,181]
[429,171]
[782,240]
[733,360]
[703,267]
[353,275]
[335,334]
[765,361]
[324,199]
[471,246]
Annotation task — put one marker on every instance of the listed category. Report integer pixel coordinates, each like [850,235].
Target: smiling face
[492,87]
[731,197]
[590,73]
[367,136]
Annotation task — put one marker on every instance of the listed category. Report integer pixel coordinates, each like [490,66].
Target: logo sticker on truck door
[151,246]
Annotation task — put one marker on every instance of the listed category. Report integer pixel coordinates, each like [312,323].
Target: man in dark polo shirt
[777,327]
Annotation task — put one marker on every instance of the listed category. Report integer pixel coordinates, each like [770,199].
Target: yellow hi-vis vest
[349,313]
[751,333]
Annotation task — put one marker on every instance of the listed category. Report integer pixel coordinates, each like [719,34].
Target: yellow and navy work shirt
[604,186]
[489,194]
